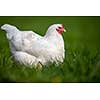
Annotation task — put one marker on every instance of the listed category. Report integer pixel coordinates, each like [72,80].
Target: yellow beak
[64,30]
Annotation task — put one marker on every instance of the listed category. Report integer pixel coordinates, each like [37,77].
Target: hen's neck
[54,37]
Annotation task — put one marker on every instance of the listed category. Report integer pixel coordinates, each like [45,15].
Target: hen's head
[58,28]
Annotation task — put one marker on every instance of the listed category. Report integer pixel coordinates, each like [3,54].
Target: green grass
[82,61]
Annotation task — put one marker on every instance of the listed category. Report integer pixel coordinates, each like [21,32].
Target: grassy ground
[82,61]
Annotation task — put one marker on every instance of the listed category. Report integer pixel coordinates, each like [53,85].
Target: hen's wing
[27,38]
[23,40]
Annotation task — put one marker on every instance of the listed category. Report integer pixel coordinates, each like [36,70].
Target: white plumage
[29,48]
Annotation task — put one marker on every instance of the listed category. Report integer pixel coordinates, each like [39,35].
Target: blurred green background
[79,29]
[82,62]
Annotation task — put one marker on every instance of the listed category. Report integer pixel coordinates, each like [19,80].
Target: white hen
[29,48]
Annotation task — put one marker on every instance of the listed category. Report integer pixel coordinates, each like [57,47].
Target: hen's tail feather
[7,27]
[10,29]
